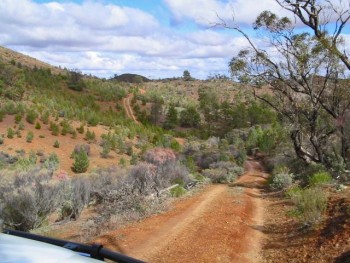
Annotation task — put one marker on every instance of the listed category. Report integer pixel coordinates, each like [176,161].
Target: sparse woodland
[66,143]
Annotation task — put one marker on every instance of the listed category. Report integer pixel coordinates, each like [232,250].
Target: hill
[10,56]
[131,78]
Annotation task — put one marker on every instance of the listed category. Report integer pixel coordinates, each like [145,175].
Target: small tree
[171,118]
[190,117]
[187,75]
[81,162]
[30,136]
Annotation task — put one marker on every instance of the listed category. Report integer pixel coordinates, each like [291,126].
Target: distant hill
[11,56]
[131,78]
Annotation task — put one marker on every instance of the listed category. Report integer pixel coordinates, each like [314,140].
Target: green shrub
[281,178]
[10,133]
[134,159]
[55,129]
[21,126]
[80,129]
[320,178]
[18,118]
[31,116]
[81,162]
[52,162]
[74,134]
[90,136]
[177,191]
[122,162]
[106,148]
[56,144]
[45,117]
[310,203]
[1,140]
[30,136]
[37,126]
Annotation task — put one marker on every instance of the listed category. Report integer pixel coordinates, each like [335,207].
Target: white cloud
[206,12]
[105,39]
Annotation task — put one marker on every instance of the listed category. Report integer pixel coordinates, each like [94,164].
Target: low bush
[309,203]
[219,175]
[10,133]
[56,144]
[37,126]
[28,200]
[177,191]
[81,162]
[320,178]
[90,136]
[30,136]
[281,181]
[31,116]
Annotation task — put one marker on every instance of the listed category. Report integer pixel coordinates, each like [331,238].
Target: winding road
[219,224]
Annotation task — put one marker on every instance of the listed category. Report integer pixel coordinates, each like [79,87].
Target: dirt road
[128,109]
[220,224]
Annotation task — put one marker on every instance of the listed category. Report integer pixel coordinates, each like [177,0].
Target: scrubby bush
[38,126]
[52,162]
[310,204]
[28,200]
[55,129]
[45,117]
[217,175]
[31,116]
[81,129]
[81,148]
[21,126]
[81,162]
[56,144]
[30,136]
[281,181]
[18,118]
[76,196]
[177,191]
[10,133]
[320,178]
[90,136]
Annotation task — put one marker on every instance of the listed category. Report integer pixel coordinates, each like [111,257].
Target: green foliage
[281,178]
[187,75]
[80,129]
[31,116]
[45,117]
[18,118]
[52,162]
[56,144]
[55,129]
[134,159]
[37,126]
[81,162]
[190,117]
[1,140]
[122,162]
[30,136]
[171,119]
[310,204]
[106,149]
[10,133]
[177,191]
[320,178]
[90,136]
[76,81]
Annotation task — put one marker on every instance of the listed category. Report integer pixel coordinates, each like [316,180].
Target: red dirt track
[220,224]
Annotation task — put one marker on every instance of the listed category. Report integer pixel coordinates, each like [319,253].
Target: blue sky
[155,38]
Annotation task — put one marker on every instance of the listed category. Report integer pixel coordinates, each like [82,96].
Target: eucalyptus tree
[308,80]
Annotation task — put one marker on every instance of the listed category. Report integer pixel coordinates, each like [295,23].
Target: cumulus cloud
[208,12]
